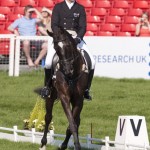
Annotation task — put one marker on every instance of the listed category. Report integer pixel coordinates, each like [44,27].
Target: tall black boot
[45,92]
[87,91]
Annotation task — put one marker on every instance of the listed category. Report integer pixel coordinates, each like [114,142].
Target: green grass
[22,146]
[111,98]
[25,146]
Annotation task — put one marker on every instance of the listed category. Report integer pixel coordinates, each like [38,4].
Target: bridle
[69,62]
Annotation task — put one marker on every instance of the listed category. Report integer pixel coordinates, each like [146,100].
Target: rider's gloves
[77,40]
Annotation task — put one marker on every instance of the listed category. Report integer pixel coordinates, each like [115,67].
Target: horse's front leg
[65,143]
[76,110]
[73,129]
[48,118]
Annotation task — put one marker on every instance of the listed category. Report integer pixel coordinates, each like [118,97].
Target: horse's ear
[50,33]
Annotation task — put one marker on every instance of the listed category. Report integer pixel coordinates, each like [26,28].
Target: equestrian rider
[71,16]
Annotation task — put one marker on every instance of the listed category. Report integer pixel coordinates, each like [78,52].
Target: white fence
[11,49]
[17,49]
[35,137]
[7,44]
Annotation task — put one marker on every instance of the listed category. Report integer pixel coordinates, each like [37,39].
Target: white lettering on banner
[119,59]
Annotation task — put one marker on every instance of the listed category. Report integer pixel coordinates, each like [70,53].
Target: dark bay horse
[69,86]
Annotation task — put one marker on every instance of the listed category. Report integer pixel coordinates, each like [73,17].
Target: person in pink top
[143,27]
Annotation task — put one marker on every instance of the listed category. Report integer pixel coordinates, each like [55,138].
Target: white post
[51,136]
[88,141]
[145,147]
[107,142]
[15,134]
[11,56]
[125,146]
[33,135]
[17,57]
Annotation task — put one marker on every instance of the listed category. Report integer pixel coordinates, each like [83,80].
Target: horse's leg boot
[45,92]
[87,91]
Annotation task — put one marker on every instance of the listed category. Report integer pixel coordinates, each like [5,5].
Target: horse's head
[65,48]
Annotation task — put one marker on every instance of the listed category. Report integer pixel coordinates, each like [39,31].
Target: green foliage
[37,114]
[37,117]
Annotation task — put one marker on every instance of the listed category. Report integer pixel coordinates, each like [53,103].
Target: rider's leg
[87,95]
[90,77]
[48,73]
[45,92]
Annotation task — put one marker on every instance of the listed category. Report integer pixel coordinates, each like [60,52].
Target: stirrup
[87,95]
[45,92]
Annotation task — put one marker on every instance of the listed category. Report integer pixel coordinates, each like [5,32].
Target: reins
[71,59]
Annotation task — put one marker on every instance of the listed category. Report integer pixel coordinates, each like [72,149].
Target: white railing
[15,49]
[11,38]
[115,59]
[35,137]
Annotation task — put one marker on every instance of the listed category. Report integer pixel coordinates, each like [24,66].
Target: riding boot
[87,91]
[45,92]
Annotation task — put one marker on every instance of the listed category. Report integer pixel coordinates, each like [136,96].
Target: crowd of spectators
[32,26]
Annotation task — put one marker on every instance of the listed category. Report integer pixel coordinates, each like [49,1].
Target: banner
[120,57]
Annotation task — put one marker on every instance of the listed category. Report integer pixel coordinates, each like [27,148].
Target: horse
[68,86]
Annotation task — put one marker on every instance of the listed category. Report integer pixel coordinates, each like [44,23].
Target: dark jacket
[69,19]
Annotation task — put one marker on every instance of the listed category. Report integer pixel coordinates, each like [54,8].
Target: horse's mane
[70,38]
[57,34]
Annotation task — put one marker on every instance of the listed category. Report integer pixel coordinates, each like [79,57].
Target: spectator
[26,26]
[143,27]
[44,25]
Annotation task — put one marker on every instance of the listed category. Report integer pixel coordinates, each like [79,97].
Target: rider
[72,17]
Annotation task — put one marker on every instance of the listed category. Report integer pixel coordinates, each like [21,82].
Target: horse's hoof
[62,147]
[43,148]
[77,147]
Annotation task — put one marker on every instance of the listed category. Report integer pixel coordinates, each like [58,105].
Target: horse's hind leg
[48,118]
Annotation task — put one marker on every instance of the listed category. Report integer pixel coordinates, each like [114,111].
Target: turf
[111,98]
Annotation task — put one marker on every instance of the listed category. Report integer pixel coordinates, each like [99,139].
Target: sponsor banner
[120,57]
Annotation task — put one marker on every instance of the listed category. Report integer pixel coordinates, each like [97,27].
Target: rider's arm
[55,18]
[82,23]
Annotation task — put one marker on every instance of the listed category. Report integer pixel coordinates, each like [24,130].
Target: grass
[111,98]
[25,146]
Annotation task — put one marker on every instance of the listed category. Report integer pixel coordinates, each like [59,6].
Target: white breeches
[51,52]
